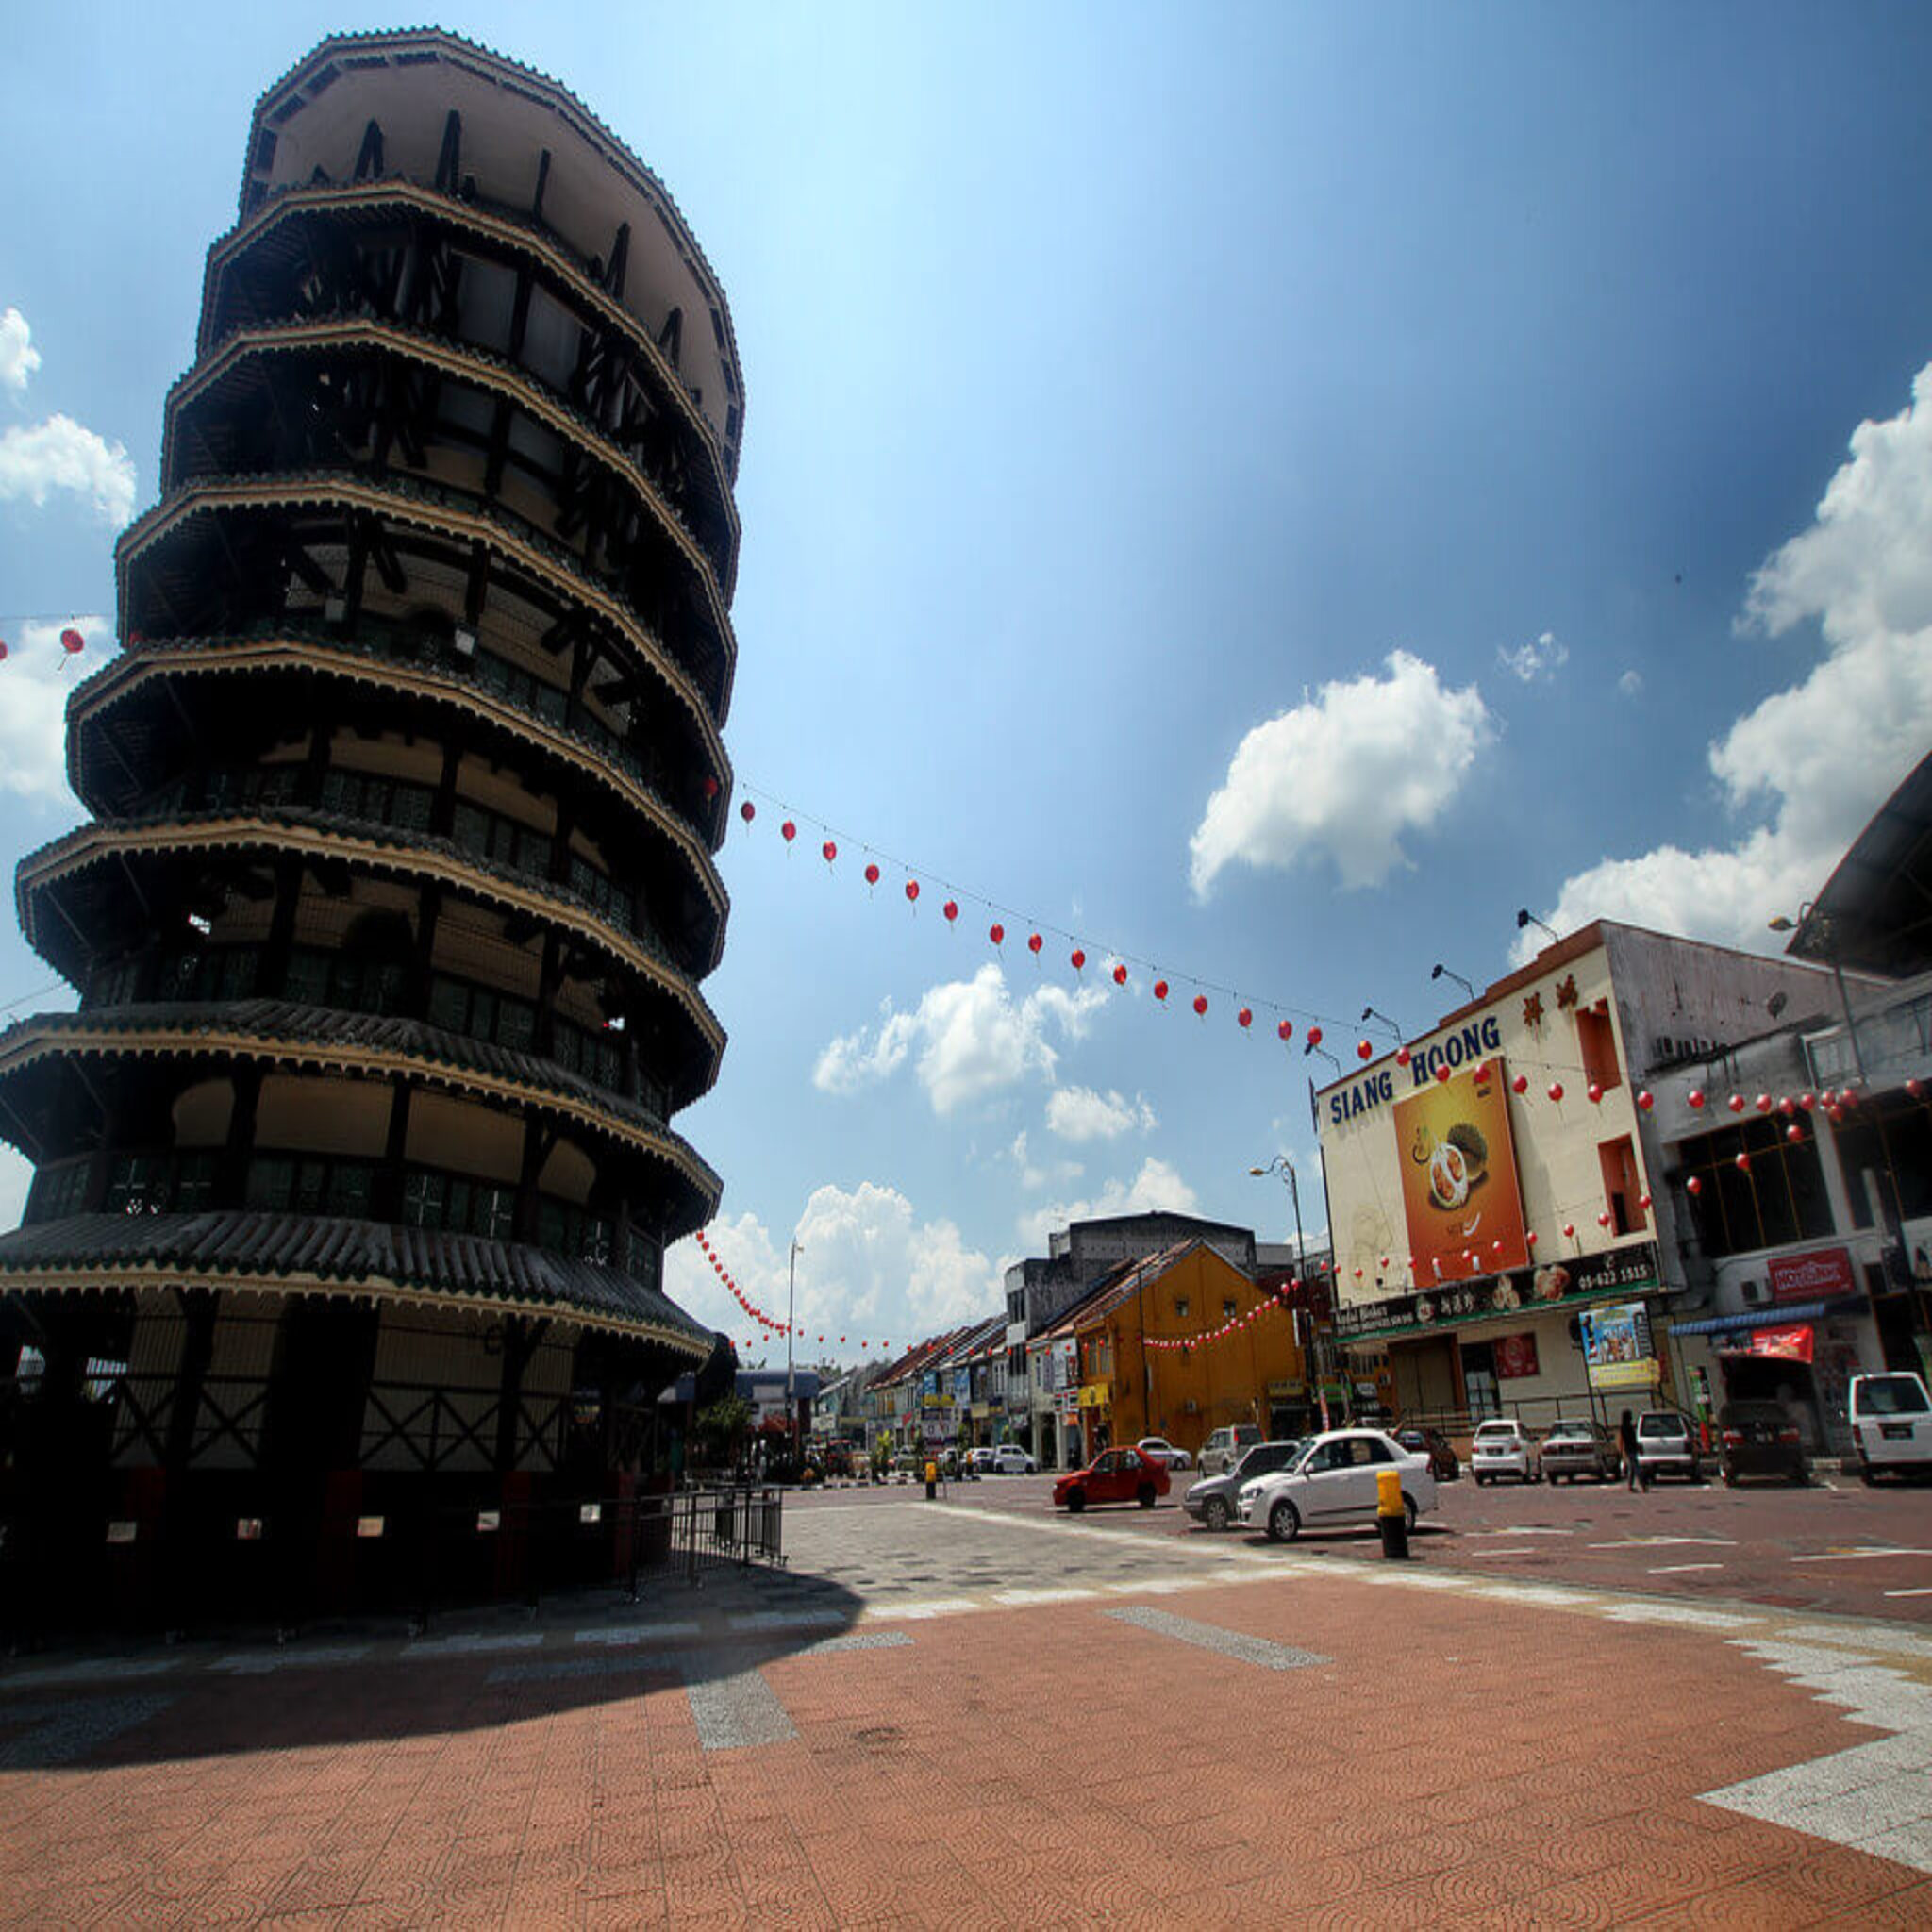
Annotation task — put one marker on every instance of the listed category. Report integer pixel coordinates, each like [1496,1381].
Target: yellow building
[1179,1344]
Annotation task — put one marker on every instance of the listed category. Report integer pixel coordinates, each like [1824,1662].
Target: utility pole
[790,1302]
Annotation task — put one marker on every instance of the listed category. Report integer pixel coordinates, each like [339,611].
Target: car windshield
[1266,1457]
[1891,1395]
[1570,1432]
[1660,1425]
[1495,1432]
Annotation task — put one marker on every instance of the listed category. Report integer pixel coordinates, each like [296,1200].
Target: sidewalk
[1383,1747]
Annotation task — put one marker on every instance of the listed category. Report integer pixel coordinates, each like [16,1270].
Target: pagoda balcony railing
[361,324]
[377,639]
[481,216]
[566,564]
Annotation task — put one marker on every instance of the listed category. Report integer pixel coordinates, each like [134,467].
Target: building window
[1778,1199]
[1180,1307]
[1596,1042]
[1228,1308]
[1618,1162]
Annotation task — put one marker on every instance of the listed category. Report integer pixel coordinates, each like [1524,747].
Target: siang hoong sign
[1554,1285]
[1464,1048]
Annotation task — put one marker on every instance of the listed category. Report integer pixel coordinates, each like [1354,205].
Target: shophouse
[1502,1228]
[1178,1344]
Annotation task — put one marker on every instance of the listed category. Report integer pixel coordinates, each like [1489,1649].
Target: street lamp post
[791,1384]
[1282,1165]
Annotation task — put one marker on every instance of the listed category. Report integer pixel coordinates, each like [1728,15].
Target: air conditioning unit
[1755,1293]
[1192,1407]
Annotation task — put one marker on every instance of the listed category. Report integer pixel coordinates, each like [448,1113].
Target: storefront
[1801,1355]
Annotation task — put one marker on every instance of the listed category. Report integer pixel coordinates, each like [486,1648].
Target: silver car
[1226,1446]
[1577,1448]
[1667,1445]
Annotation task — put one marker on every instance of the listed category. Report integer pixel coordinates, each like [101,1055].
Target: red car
[1117,1475]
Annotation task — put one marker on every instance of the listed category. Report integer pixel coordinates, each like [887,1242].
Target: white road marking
[1527,1530]
[1909,1592]
[1022,1599]
[1528,1550]
[931,1607]
[1860,1555]
[1678,1569]
[615,1634]
[1657,1542]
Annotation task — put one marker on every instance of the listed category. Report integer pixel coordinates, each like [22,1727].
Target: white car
[980,1461]
[1161,1450]
[1334,1480]
[1225,1447]
[1011,1460]
[1503,1448]
[1892,1424]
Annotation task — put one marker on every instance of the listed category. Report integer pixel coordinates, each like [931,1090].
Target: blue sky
[1267,489]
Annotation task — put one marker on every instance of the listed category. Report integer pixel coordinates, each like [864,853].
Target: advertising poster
[1460,1194]
[1515,1357]
[1616,1346]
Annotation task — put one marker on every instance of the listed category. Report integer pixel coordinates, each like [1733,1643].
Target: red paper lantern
[1442,1076]
[829,851]
[1160,989]
[1521,1084]
[1743,1163]
[1201,1004]
[1078,958]
[710,786]
[787,831]
[1764,1103]
[1595,1093]
[1787,1106]
[1914,1089]
[911,891]
[1285,1031]
[1314,1036]
[1556,1090]
[73,642]
[1034,943]
[1402,1055]
[1364,1051]
[1736,1103]
[1603,1221]
[996,934]
[747,811]
[1245,1017]
[1530,1238]
[1643,1202]
[1695,1096]
[1794,1133]
[1846,1097]
[1644,1100]
[1358,1273]
[1570,1230]
[871,874]
[1496,1247]
[3,650]
[1120,975]
[951,908]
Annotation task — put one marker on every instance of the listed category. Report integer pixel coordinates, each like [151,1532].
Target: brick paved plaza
[946,1715]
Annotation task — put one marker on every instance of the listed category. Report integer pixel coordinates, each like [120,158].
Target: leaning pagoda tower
[355,1166]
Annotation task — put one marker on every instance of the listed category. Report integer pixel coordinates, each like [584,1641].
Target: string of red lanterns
[1235,1325]
[770,1323]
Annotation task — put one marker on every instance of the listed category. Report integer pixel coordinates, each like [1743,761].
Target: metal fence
[232,1564]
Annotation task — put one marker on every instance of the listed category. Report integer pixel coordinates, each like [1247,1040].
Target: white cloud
[18,358]
[1078,1113]
[60,454]
[968,1039]
[868,1269]
[1809,764]
[1041,1174]
[1346,774]
[16,1176]
[34,685]
[1541,658]
[1631,683]
[1155,1189]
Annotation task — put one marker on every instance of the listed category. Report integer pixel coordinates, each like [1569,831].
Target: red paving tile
[1457,1761]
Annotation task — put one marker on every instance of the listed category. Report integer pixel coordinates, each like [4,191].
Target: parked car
[1573,1448]
[1502,1448]
[1667,1445]
[1444,1465]
[1215,1498]
[1892,1424]
[1225,1447]
[1759,1438]
[1011,1460]
[980,1461]
[1334,1481]
[1164,1452]
[1115,1475]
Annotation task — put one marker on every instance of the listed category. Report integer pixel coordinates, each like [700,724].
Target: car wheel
[1076,1501]
[1216,1513]
[1410,1512]
[1868,1475]
[1144,1495]
[1482,1482]
[1283,1522]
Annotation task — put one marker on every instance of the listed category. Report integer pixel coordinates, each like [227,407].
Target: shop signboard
[1555,1286]
[1820,1275]
[1616,1348]
[1093,1396]
[1793,1345]
[1515,1357]
[1459,1193]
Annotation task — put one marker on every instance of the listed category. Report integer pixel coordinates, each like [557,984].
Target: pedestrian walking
[1626,1435]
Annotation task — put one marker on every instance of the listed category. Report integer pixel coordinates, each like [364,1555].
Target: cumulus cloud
[16,1176]
[1078,1113]
[1041,1174]
[868,1267]
[1810,764]
[61,453]
[1157,1187]
[34,685]
[1344,774]
[967,1039]
[1541,658]
[1631,683]
[18,358]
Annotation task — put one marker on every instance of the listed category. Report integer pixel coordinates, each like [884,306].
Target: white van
[1892,1424]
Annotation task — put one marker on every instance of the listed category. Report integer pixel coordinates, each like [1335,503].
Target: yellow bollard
[1392,1517]
[932,1480]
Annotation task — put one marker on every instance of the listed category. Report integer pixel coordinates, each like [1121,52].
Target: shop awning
[1785,1315]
